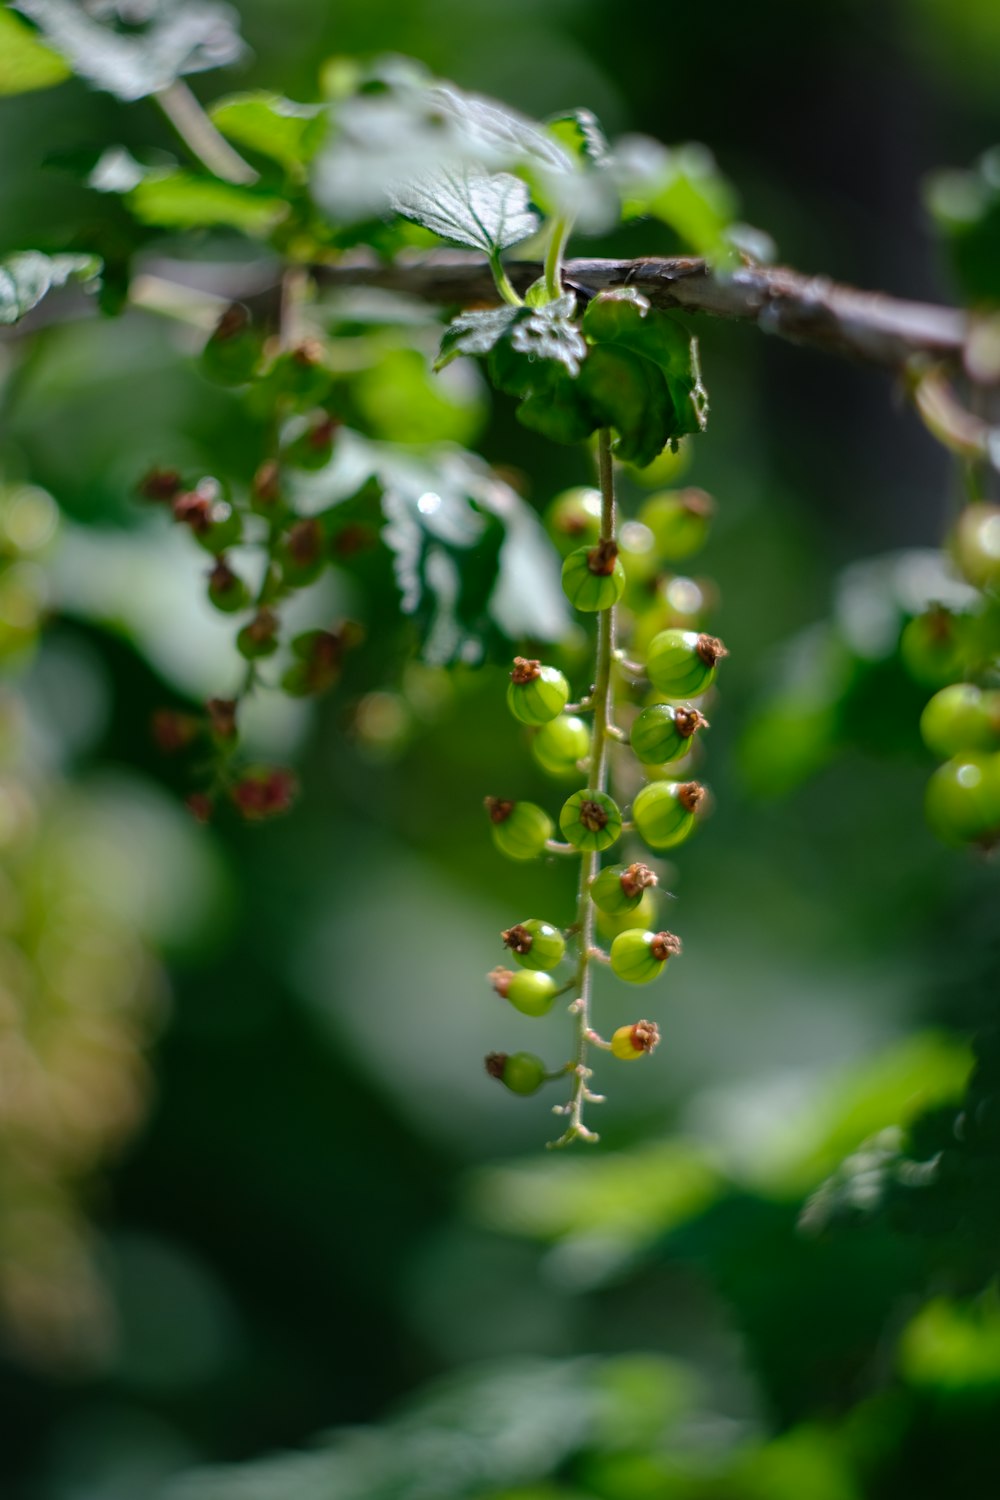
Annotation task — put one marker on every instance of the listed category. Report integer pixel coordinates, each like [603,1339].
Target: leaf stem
[554,257]
[590,859]
[201,136]
[504,286]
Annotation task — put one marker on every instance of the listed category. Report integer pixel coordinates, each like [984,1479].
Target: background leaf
[27,276]
[272,125]
[25,62]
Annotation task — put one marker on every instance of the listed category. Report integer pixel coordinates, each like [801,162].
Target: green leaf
[628,393]
[481,210]
[288,133]
[965,207]
[682,187]
[625,319]
[28,275]
[25,62]
[184,200]
[474,333]
[579,132]
[188,36]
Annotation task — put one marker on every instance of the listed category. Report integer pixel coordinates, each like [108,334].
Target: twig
[201,136]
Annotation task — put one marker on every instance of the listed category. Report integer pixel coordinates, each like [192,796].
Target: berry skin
[521,1072]
[560,744]
[590,819]
[638,956]
[976,545]
[963,799]
[961,717]
[536,694]
[618,888]
[664,733]
[574,518]
[519,828]
[932,648]
[535,944]
[631,1042]
[531,991]
[593,577]
[679,520]
[664,812]
[644,915]
[682,663]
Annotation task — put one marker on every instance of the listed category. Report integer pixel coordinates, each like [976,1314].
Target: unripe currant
[609,924]
[961,717]
[976,545]
[264,792]
[590,819]
[301,552]
[265,490]
[225,590]
[312,448]
[638,956]
[619,888]
[664,732]
[630,1042]
[536,694]
[211,520]
[531,991]
[574,518]
[231,354]
[593,577]
[679,520]
[521,1072]
[260,637]
[520,829]
[664,811]
[932,647]
[561,744]
[682,663]
[535,944]
[963,799]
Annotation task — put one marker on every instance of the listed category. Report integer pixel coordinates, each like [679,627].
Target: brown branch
[812,310]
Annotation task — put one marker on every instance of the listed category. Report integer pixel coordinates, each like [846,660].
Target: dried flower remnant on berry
[636,879]
[687,721]
[500,980]
[690,795]
[602,558]
[710,649]
[222,717]
[525,670]
[264,793]
[517,938]
[174,731]
[665,945]
[160,485]
[498,808]
[495,1063]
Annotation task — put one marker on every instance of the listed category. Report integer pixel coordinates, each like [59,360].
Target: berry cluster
[285,389]
[618,575]
[958,653]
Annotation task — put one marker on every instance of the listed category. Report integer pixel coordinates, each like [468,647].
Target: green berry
[560,744]
[932,647]
[260,637]
[961,717]
[664,733]
[521,1072]
[531,991]
[619,888]
[593,577]
[976,545]
[225,590]
[590,819]
[664,811]
[536,694]
[682,663]
[609,925]
[312,447]
[638,956]
[231,354]
[520,829]
[635,1040]
[574,518]
[535,944]
[679,521]
[963,798]
[301,552]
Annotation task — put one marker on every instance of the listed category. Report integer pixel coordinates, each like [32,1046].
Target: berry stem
[590,859]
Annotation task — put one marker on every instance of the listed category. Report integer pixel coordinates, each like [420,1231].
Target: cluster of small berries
[285,389]
[617,584]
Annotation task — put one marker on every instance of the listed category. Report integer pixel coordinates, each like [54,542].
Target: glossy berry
[630,1042]
[211,520]
[260,637]
[531,991]
[644,915]
[225,590]
[679,520]
[961,717]
[521,1072]
[593,577]
[619,888]
[963,798]
[638,956]
[682,663]
[664,811]
[560,744]
[520,829]
[664,733]
[976,545]
[590,819]
[574,518]
[535,944]
[536,694]
[932,648]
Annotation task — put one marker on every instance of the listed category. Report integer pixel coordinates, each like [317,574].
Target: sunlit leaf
[682,187]
[25,62]
[28,275]
[481,210]
[276,127]
[184,200]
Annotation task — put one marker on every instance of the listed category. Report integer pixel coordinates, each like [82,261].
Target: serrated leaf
[28,275]
[579,132]
[25,62]
[474,333]
[184,200]
[533,339]
[182,36]
[625,319]
[276,127]
[488,211]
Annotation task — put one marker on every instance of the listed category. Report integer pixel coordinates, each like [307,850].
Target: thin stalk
[200,135]
[590,859]
[503,282]
[554,257]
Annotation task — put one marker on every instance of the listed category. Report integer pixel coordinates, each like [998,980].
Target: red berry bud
[265,792]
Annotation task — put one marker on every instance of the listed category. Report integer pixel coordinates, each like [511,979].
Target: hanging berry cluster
[286,385]
[680,665]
